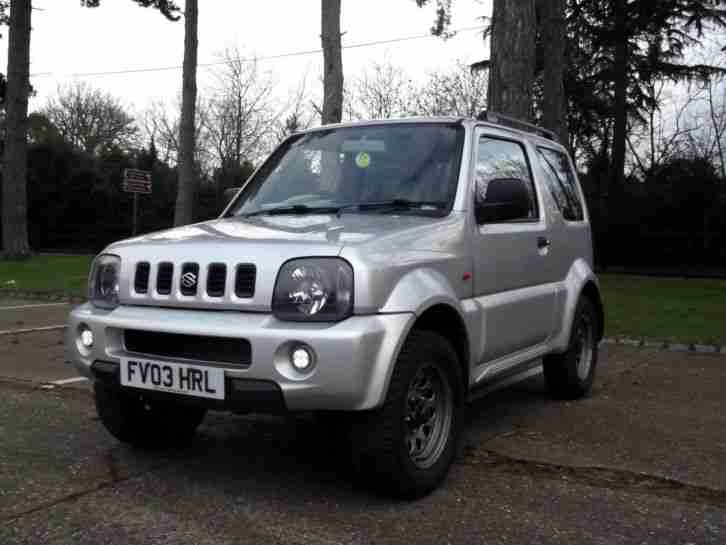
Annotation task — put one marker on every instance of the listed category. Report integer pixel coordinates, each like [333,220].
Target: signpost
[136,181]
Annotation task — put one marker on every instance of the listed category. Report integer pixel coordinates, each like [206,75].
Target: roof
[532,132]
[396,121]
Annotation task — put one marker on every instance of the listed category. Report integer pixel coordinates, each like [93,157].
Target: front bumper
[354,358]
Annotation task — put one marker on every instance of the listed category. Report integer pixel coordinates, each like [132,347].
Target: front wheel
[405,448]
[570,375]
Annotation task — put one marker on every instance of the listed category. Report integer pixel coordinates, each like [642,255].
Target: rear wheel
[405,448]
[142,421]
[570,375]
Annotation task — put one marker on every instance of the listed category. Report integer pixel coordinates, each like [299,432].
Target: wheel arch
[580,282]
[592,292]
[446,321]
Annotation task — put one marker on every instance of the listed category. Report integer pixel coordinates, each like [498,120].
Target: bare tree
[706,115]
[386,91]
[333,63]
[14,193]
[298,114]
[383,92]
[160,123]
[715,96]
[459,91]
[513,57]
[184,211]
[90,119]
[240,117]
[662,133]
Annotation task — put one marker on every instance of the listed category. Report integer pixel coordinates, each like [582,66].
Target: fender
[569,294]
[419,290]
[416,292]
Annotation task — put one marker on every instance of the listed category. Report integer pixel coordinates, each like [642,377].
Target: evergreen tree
[618,49]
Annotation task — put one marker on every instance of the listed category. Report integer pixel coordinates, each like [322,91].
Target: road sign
[136,181]
[136,187]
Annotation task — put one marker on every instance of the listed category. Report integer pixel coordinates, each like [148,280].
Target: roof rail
[512,123]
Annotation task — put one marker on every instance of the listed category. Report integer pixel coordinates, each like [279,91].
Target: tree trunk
[184,212]
[14,191]
[512,58]
[621,100]
[333,63]
[554,34]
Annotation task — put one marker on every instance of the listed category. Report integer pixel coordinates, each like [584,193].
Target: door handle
[542,243]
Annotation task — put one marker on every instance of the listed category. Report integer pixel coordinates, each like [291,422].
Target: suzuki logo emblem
[189,280]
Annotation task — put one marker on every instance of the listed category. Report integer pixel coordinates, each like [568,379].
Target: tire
[570,375]
[405,448]
[144,422]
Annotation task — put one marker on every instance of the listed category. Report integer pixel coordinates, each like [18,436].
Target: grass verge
[47,273]
[684,310]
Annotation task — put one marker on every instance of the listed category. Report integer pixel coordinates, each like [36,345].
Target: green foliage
[75,200]
[168,8]
[42,131]
[674,220]
[683,192]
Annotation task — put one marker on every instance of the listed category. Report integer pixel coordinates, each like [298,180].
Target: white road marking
[39,305]
[69,381]
[31,330]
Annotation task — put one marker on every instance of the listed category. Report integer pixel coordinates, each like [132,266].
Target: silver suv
[384,272]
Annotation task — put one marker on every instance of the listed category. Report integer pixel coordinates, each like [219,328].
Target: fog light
[301,358]
[86,336]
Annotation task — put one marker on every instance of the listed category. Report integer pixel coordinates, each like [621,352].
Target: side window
[562,183]
[503,160]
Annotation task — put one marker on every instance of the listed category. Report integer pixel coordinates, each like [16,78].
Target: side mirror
[228,195]
[505,199]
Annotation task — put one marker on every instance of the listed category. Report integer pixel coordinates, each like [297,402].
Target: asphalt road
[641,461]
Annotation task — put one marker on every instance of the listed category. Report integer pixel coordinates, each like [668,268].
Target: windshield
[406,168]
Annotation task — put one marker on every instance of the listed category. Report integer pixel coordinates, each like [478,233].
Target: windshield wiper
[297,209]
[302,209]
[394,204]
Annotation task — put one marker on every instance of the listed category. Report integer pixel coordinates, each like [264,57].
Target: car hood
[267,242]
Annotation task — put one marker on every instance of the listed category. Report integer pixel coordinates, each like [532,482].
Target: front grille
[141,280]
[244,282]
[189,347]
[187,282]
[189,279]
[163,278]
[216,279]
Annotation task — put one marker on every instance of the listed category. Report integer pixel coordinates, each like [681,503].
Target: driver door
[514,276]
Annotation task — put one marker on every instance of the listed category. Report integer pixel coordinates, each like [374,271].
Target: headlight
[103,283]
[314,290]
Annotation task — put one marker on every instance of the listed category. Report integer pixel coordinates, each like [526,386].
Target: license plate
[178,378]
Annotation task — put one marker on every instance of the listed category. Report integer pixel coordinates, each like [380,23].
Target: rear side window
[562,183]
[504,159]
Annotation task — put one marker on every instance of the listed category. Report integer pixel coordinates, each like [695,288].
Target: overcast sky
[68,39]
